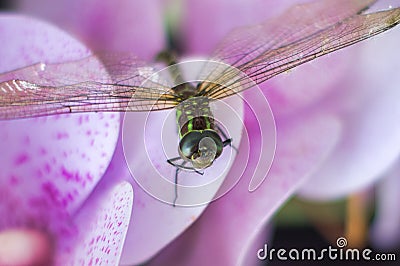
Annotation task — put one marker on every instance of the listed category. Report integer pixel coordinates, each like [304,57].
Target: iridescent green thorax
[194,114]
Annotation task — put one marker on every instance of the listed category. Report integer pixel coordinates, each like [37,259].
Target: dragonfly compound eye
[206,153]
[201,148]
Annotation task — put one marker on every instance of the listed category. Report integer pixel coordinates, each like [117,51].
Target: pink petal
[101,227]
[179,252]
[368,106]
[386,227]
[261,128]
[226,231]
[134,26]
[206,22]
[310,83]
[26,41]
[49,164]
[257,244]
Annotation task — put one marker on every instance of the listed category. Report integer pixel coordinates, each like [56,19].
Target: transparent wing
[301,34]
[118,82]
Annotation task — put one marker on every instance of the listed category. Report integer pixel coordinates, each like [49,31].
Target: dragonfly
[302,33]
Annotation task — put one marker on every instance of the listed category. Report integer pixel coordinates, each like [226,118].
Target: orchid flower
[51,168]
[332,138]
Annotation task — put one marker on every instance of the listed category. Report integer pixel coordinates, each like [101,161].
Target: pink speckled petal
[205,23]
[386,227]
[135,26]
[49,165]
[370,114]
[225,233]
[26,41]
[101,227]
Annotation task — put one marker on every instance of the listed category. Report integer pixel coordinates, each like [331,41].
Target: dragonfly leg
[172,160]
[180,167]
[176,186]
[227,141]
[177,169]
[200,172]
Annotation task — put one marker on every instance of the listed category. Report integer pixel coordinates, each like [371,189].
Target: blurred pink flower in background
[337,133]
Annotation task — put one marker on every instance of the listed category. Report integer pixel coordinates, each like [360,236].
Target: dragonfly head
[201,148]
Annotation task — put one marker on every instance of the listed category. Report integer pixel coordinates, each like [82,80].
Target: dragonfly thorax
[185,91]
[194,114]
